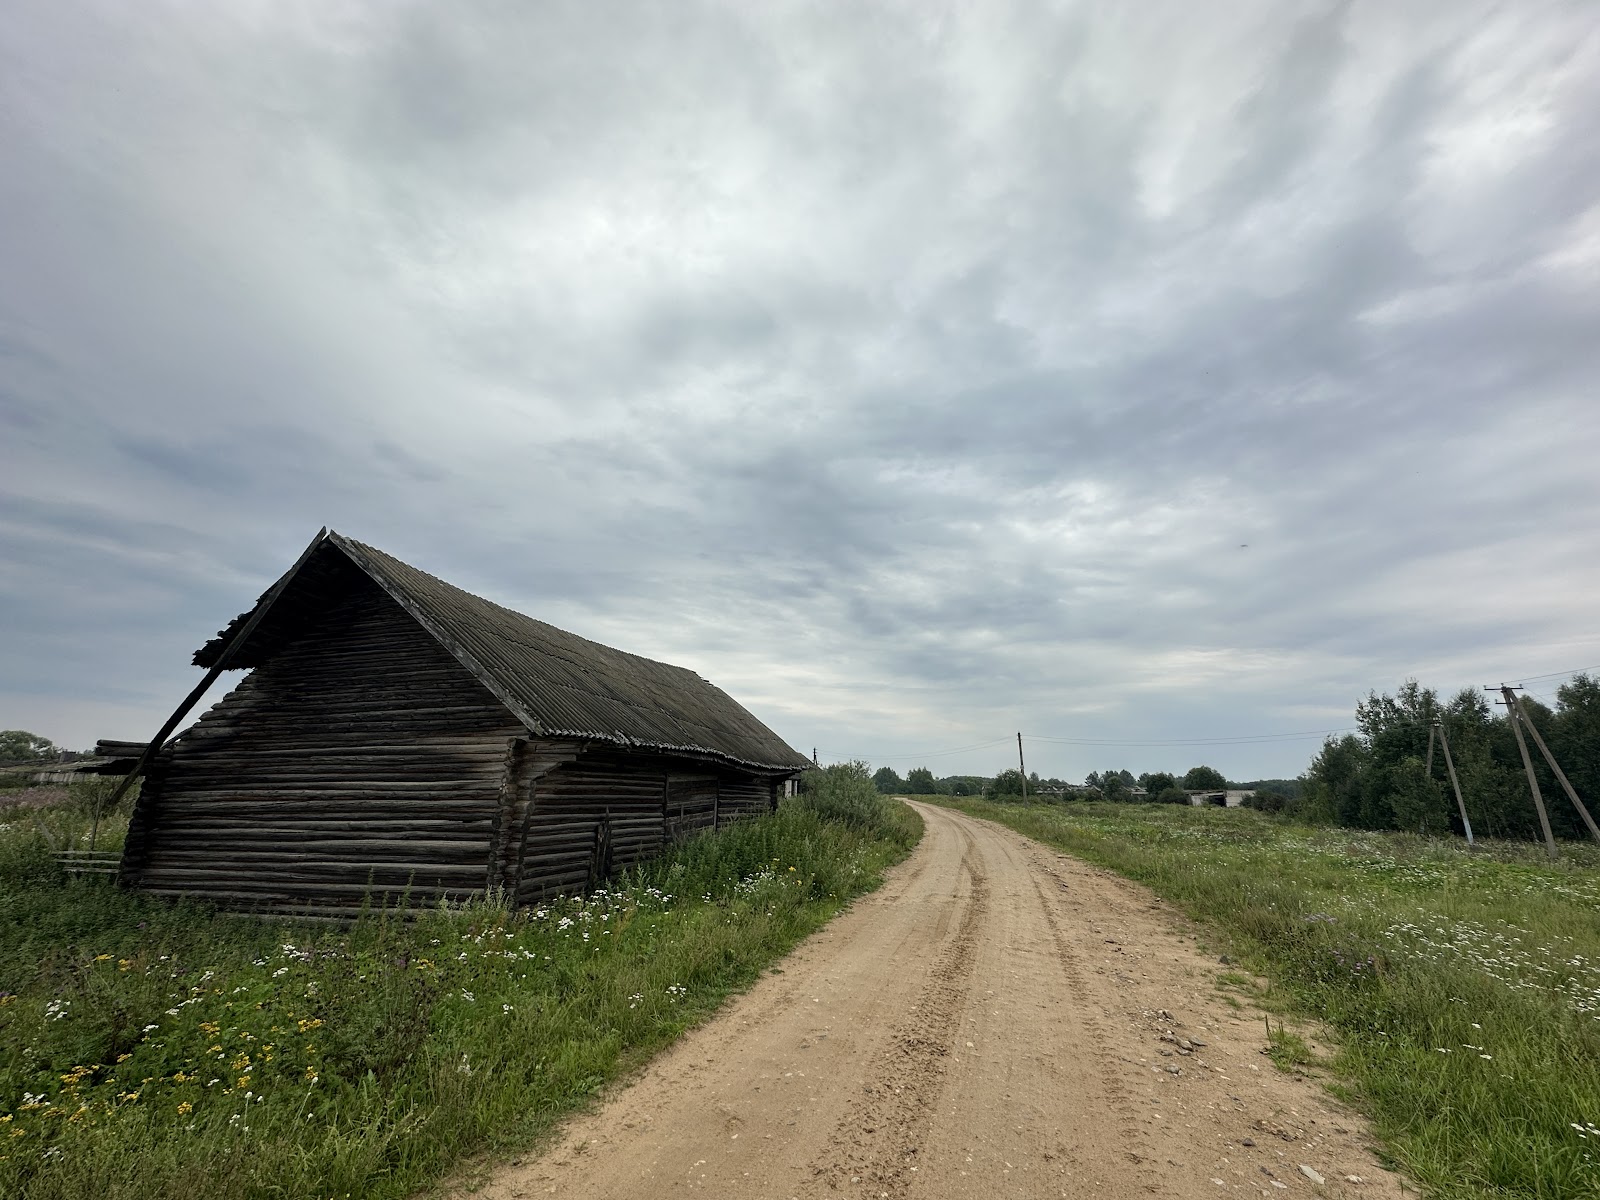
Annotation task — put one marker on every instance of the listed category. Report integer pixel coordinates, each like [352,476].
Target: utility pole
[1455,784]
[814,761]
[1022,769]
[1527,765]
[1594,831]
[1432,731]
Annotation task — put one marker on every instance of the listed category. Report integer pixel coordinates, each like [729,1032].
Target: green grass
[150,1049]
[1463,988]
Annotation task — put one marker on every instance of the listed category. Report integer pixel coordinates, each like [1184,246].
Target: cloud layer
[916,373]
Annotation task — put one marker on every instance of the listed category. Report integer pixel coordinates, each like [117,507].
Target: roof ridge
[343,540]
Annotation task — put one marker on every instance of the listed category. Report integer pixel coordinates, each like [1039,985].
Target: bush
[1007,783]
[845,792]
[1171,795]
[1267,802]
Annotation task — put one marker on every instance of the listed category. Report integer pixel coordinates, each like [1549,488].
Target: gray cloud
[918,374]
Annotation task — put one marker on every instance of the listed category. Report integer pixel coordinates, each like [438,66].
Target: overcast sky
[917,373]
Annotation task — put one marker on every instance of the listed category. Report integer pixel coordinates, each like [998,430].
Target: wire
[920,753]
[1242,740]
[1555,674]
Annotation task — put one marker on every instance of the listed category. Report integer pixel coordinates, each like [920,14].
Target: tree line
[1118,786]
[1378,777]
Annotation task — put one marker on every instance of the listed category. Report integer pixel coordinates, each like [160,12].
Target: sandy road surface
[989,1024]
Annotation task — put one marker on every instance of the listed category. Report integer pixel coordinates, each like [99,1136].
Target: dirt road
[999,1020]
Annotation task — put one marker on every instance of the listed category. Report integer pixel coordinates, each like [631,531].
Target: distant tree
[958,786]
[919,782]
[1092,779]
[888,782]
[1171,795]
[1205,779]
[1418,802]
[1334,781]
[1157,782]
[1005,784]
[1114,785]
[18,745]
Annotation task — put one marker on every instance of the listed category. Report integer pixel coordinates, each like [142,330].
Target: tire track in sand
[874,1146]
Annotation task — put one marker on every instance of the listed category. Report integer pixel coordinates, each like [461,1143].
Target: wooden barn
[396,733]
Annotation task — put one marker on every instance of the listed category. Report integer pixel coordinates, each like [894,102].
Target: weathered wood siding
[744,796]
[361,757]
[588,818]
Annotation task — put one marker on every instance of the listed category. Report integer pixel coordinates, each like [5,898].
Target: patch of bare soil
[999,1020]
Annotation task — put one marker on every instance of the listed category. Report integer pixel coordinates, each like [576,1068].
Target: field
[156,1050]
[1463,988]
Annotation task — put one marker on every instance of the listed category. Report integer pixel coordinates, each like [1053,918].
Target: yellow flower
[102,958]
[209,1028]
[213,1049]
[244,1081]
[122,1058]
[185,1108]
[306,1025]
[124,963]
[130,1097]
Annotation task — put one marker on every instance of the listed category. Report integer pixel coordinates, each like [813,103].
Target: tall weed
[150,1049]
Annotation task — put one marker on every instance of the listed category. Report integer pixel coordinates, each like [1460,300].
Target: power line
[1241,740]
[1554,674]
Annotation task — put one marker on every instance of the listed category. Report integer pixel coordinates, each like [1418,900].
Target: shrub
[1171,795]
[845,792]
[1007,783]
[1267,802]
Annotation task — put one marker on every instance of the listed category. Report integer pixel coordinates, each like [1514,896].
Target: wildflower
[185,1108]
[506,1008]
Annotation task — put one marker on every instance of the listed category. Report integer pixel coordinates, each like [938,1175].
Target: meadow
[1462,987]
[153,1049]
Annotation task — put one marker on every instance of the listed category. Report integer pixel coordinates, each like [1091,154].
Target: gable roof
[556,683]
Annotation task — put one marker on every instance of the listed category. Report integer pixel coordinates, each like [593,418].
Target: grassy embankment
[1463,987]
[156,1050]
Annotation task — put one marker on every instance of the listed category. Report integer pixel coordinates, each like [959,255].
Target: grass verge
[153,1050]
[1463,987]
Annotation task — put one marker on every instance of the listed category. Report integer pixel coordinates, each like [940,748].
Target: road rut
[998,1020]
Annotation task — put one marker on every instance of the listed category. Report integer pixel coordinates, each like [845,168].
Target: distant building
[1232,798]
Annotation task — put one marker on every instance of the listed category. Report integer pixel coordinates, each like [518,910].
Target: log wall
[361,757]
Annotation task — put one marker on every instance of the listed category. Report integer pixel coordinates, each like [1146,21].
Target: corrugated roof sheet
[559,684]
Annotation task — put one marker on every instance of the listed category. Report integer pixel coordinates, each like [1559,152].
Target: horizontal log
[307,842]
[300,873]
